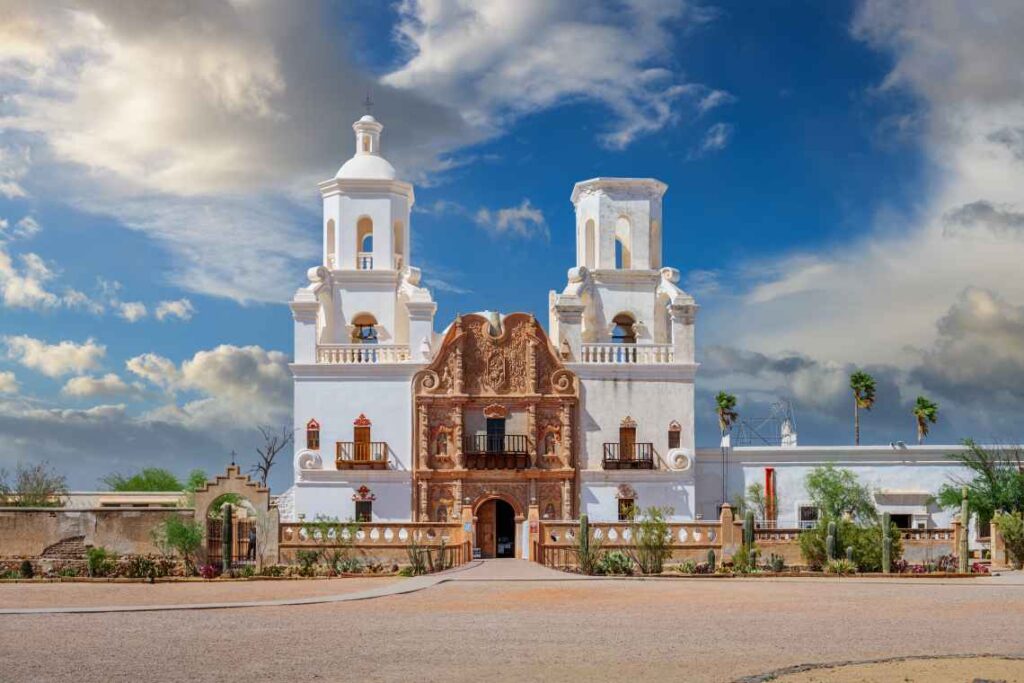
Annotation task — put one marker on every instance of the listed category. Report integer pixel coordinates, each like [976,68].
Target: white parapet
[351,354]
[641,354]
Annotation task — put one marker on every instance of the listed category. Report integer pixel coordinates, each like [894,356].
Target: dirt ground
[96,594]
[917,671]
[503,626]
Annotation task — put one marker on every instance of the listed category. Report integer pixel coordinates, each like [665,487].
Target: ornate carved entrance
[495,417]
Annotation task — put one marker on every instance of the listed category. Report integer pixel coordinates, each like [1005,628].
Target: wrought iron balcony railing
[496,451]
[362,455]
[637,456]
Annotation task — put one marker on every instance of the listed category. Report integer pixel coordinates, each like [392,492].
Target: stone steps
[71,548]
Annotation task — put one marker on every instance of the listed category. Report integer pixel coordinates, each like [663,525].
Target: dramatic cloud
[876,297]
[524,220]
[497,61]
[246,385]
[55,360]
[182,309]
[88,387]
[8,383]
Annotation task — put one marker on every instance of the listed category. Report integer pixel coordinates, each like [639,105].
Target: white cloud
[25,228]
[8,382]
[715,138]
[54,360]
[155,369]
[524,220]
[247,385]
[132,311]
[876,297]
[182,309]
[25,286]
[87,387]
[14,165]
[497,61]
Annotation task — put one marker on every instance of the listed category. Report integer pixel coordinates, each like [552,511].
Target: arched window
[331,241]
[364,243]
[313,435]
[623,241]
[623,329]
[366,143]
[364,329]
[589,244]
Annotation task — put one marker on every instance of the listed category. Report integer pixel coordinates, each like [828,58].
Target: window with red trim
[313,435]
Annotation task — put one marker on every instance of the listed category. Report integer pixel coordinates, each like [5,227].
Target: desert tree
[273,443]
[925,411]
[863,386]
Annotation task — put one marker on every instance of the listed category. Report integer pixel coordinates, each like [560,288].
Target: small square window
[364,511]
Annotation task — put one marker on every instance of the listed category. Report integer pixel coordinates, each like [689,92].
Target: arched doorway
[496,528]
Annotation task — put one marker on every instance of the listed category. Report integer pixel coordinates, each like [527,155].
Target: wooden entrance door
[627,443]
[486,529]
[361,435]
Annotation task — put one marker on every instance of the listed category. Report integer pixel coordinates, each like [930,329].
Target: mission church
[396,421]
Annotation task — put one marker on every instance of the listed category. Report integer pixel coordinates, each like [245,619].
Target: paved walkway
[478,570]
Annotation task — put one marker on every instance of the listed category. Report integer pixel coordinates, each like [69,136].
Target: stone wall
[28,532]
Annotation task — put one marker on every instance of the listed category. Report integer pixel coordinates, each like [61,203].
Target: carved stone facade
[495,417]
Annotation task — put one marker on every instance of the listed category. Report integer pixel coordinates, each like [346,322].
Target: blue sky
[844,191]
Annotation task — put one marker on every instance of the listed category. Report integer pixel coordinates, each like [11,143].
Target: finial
[368,102]
[233,454]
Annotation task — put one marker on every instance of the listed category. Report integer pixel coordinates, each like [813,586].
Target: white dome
[367,166]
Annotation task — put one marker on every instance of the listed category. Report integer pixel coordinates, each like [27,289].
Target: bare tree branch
[273,443]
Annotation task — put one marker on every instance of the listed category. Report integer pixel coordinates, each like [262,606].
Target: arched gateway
[495,427]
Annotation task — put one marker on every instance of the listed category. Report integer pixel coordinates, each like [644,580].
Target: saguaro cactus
[965,516]
[584,539]
[830,541]
[225,540]
[711,559]
[849,553]
[886,543]
[748,530]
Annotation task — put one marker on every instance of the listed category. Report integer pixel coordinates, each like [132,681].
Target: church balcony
[351,354]
[361,455]
[496,452]
[364,260]
[617,354]
[637,456]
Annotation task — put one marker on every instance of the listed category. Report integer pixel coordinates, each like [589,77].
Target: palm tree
[725,407]
[925,411]
[863,386]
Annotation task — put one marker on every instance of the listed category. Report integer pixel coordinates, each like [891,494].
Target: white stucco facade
[621,324]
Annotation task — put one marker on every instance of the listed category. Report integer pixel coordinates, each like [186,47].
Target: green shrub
[100,561]
[776,563]
[67,572]
[743,561]
[866,542]
[140,567]
[248,571]
[615,563]
[687,567]
[272,570]
[840,567]
[406,571]
[27,572]
[1011,528]
[184,537]
[307,560]
[650,546]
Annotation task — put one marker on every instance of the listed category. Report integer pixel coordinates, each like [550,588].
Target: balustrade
[353,354]
[641,354]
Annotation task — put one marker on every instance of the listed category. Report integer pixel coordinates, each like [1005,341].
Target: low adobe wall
[27,532]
